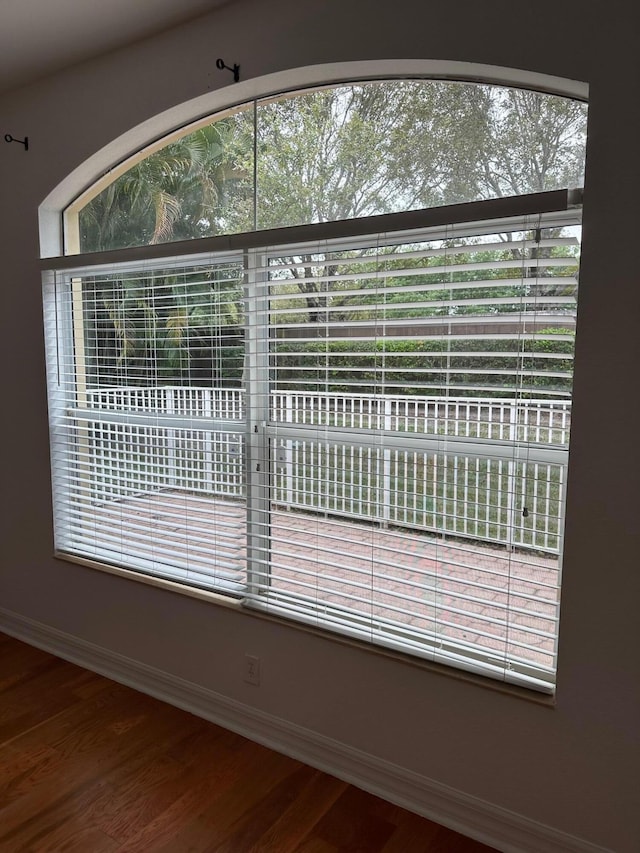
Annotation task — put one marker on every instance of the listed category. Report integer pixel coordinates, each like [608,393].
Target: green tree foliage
[325,155]
[532,143]
[343,152]
[184,328]
[416,367]
[197,186]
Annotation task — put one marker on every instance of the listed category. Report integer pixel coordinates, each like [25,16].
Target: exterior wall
[571,768]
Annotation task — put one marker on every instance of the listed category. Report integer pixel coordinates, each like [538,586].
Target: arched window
[339,152]
[322,364]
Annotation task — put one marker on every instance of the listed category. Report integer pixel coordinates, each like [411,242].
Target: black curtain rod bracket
[235,70]
[25,141]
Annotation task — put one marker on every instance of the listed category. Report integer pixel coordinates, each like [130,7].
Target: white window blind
[365,434]
[147,422]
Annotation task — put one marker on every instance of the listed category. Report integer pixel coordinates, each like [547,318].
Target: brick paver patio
[451,589]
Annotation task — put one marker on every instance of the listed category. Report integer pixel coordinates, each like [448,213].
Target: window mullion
[256,384]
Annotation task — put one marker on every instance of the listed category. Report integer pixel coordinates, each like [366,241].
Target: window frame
[251,242]
[56,214]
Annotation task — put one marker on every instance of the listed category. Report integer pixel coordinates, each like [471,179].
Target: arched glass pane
[373,148]
[199,185]
[342,152]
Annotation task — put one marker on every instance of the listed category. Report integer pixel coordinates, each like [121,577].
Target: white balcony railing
[192,439]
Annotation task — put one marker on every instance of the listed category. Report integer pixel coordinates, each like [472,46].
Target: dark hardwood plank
[74,837]
[109,747]
[209,757]
[415,834]
[252,779]
[313,844]
[91,766]
[312,802]
[358,822]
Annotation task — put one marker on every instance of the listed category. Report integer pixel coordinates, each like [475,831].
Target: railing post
[208,412]
[283,460]
[288,452]
[172,459]
[386,465]
[511,478]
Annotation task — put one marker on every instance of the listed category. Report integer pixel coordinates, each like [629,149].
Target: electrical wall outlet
[252,669]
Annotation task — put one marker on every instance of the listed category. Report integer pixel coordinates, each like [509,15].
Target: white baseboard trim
[493,825]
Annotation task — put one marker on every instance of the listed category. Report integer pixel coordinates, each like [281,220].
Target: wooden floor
[88,765]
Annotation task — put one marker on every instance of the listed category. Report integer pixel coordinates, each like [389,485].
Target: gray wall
[573,767]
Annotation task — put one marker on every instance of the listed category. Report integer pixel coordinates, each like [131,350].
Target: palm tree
[149,328]
[185,190]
